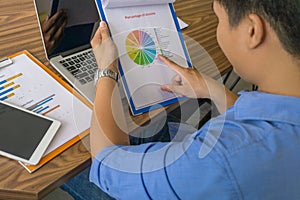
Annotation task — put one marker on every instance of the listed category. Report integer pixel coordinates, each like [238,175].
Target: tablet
[24,135]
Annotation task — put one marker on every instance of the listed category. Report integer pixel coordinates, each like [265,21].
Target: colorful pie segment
[140,47]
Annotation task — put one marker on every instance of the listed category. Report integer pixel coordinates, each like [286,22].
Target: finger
[104,30]
[59,33]
[97,39]
[171,64]
[58,27]
[177,80]
[45,24]
[166,88]
[173,88]
[52,20]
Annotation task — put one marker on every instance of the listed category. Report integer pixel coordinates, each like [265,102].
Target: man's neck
[283,78]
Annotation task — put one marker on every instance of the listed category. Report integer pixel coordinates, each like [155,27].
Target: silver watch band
[105,73]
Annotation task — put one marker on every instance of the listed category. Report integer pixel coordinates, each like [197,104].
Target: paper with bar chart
[141,32]
[26,84]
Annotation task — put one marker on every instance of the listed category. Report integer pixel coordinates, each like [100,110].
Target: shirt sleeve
[162,171]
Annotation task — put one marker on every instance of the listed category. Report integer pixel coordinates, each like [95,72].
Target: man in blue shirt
[250,151]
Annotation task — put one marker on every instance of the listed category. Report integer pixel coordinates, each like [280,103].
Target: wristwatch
[105,73]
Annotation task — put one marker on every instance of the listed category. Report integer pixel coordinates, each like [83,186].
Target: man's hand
[104,48]
[53,29]
[188,82]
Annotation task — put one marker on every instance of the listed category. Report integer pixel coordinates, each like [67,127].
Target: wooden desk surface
[19,31]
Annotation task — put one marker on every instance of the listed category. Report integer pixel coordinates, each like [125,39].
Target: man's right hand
[188,82]
[53,29]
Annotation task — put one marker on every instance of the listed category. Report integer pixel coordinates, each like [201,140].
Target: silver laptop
[69,49]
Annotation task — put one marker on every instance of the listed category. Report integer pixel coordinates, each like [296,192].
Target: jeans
[80,188]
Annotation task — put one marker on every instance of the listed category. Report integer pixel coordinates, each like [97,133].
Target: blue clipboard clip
[4,62]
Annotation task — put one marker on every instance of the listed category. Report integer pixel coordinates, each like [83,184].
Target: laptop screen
[67,25]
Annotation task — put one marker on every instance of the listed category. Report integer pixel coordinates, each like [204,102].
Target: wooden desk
[19,30]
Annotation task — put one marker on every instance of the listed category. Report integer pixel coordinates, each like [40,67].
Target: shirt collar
[268,107]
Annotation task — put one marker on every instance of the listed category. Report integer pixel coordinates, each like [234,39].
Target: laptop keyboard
[82,66]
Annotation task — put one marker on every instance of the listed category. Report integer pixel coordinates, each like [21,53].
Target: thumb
[97,39]
[173,88]
[104,30]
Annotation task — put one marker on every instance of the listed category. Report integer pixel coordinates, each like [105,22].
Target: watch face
[111,73]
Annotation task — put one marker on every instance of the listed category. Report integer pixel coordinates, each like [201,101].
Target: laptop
[71,55]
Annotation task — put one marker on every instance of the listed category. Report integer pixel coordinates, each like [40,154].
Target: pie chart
[140,47]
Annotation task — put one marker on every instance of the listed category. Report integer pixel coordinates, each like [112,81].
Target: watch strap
[105,73]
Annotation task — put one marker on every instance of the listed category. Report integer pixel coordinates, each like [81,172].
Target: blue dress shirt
[250,152]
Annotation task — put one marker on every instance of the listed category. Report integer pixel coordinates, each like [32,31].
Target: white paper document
[182,24]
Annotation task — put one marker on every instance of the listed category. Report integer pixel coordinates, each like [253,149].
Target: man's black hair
[282,15]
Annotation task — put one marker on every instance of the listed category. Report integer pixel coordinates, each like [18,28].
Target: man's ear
[256,31]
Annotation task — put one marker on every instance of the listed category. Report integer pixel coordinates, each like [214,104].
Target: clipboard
[10,75]
[146,37]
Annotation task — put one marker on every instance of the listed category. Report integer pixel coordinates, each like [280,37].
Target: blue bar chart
[43,107]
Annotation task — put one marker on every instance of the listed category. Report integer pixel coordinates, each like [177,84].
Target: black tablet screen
[20,132]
